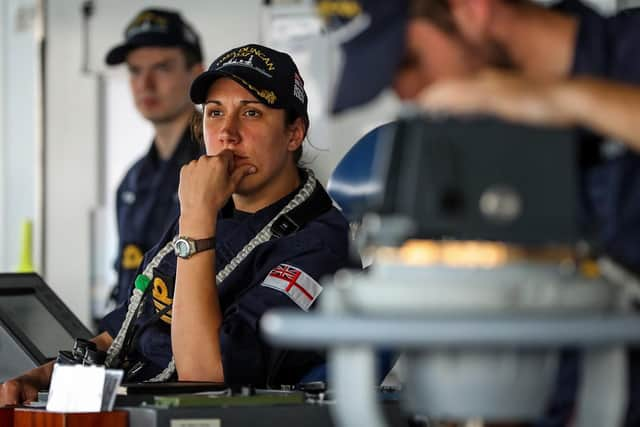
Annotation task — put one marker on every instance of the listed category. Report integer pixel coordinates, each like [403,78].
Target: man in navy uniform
[566,65]
[163,56]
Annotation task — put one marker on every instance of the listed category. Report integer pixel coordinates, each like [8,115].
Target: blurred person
[163,56]
[566,65]
[567,61]
[255,232]
[589,78]
[571,66]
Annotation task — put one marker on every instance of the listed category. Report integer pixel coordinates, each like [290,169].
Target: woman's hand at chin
[205,186]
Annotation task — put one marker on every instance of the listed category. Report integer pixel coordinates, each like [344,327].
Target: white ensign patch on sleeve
[297,284]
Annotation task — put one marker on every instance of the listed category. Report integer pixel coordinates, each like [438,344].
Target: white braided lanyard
[143,280]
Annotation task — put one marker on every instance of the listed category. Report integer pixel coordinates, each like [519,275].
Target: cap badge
[147,22]
[189,35]
[236,61]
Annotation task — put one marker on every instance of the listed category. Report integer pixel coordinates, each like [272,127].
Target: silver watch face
[182,248]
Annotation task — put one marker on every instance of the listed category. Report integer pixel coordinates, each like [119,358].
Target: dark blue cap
[373,55]
[156,28]
[270,75]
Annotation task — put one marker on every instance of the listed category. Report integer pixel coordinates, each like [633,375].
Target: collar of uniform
[227,211]
[233,233]
[188,148]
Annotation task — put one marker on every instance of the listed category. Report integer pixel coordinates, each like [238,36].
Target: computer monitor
[34,324]
[481,179]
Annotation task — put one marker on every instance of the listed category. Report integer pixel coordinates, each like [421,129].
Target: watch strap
[204,244]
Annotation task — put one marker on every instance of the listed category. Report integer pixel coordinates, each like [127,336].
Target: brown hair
[191,57]
[290,116]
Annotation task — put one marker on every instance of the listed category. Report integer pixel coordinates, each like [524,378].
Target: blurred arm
[604,106]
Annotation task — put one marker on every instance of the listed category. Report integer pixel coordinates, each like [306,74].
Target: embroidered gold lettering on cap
[267,95]
[250,66]
[246,51]
[131,257]
[161,298]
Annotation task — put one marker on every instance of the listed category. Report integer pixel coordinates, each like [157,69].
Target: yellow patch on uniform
[339,8]
[161,298]
[131,257]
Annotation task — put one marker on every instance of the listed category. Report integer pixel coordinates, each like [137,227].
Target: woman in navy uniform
[255,232]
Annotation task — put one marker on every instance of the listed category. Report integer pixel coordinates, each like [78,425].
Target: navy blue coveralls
[146,205]
[319,249]
[607,48]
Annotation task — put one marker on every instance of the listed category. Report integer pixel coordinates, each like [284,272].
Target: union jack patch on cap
[297,284]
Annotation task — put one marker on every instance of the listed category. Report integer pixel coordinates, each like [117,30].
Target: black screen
[481,179]
[36,322]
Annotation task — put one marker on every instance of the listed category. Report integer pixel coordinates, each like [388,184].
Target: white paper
[195,422]
[77,388]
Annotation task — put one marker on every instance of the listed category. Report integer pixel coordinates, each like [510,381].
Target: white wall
[71,125]
[4,53]
[18,105]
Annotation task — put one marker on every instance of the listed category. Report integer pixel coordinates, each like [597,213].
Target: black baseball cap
[373,54]
[270,75]
[158,28]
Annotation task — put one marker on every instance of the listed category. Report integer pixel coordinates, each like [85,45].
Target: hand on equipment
[19,390]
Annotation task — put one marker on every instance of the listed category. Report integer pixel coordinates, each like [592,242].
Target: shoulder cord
[143,280]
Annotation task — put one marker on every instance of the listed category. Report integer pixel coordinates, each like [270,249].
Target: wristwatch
[185,247]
